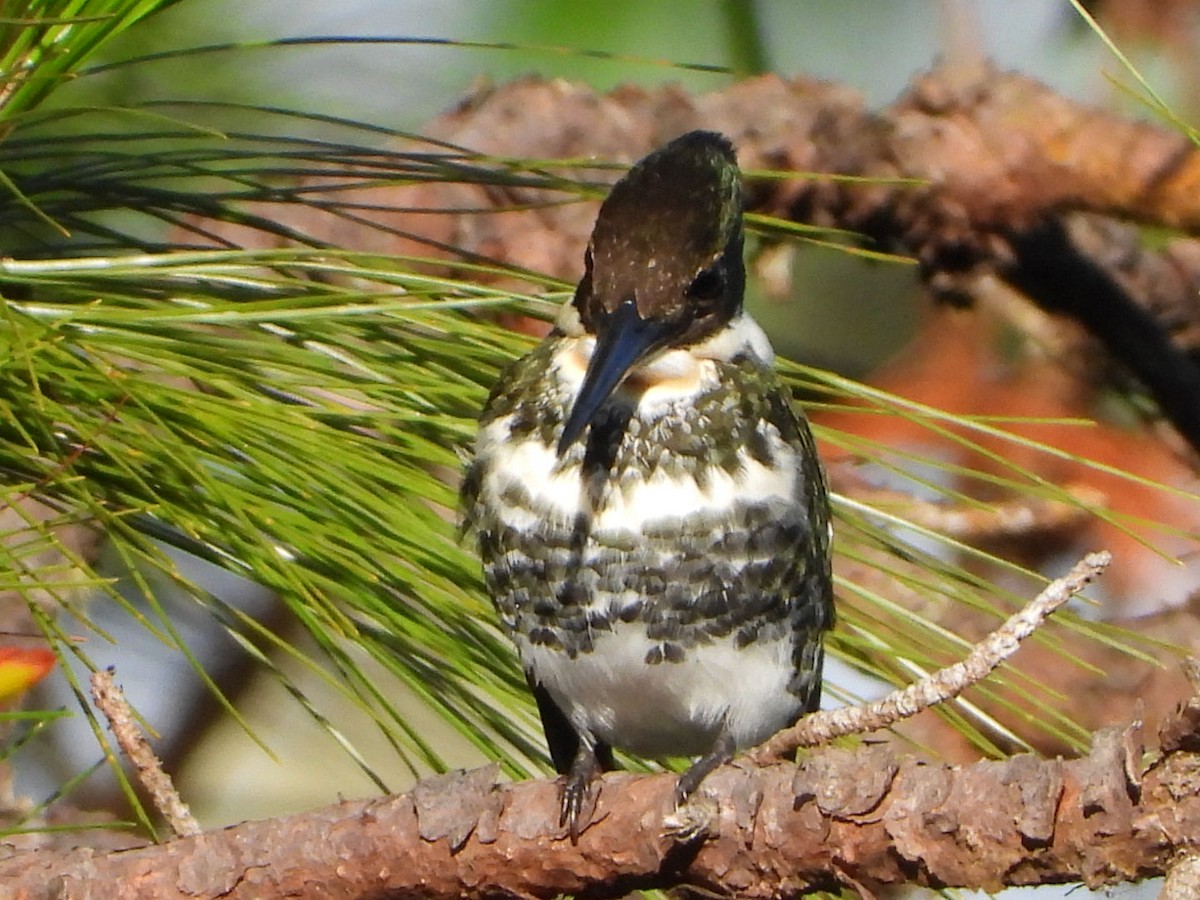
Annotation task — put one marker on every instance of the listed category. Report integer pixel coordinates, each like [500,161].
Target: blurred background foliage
[290,420]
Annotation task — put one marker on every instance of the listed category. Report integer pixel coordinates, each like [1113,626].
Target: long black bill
[626,339]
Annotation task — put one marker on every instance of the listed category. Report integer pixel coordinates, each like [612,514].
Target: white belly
[670,708]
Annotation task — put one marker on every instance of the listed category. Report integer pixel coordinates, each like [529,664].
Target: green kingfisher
[650,510]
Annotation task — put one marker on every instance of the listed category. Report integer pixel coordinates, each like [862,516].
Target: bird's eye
[709,284]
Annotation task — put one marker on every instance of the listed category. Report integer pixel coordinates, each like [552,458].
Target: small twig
[1191,670]
[944,684]
[111,701]
[1183,880]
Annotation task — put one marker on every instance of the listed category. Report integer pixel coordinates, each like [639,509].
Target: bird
[649,507]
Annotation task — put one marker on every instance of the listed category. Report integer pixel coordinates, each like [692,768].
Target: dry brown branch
[864,814]
[1183,880]
[110,700]
[823,727]
[984,170]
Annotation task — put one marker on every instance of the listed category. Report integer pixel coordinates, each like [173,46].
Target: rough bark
[842,818]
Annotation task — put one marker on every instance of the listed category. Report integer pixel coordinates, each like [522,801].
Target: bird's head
[664,266]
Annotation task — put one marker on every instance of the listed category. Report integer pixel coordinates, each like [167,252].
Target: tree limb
[864,814]
[972,171]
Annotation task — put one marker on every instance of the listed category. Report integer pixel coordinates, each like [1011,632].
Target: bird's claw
[580,793]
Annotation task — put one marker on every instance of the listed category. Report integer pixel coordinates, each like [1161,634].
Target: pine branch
[843,817]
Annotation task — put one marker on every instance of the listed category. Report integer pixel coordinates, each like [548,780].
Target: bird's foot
[691,821]
[580,792]
[693,816]
[689,781]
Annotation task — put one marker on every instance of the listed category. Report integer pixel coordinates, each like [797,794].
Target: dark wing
[813,609]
